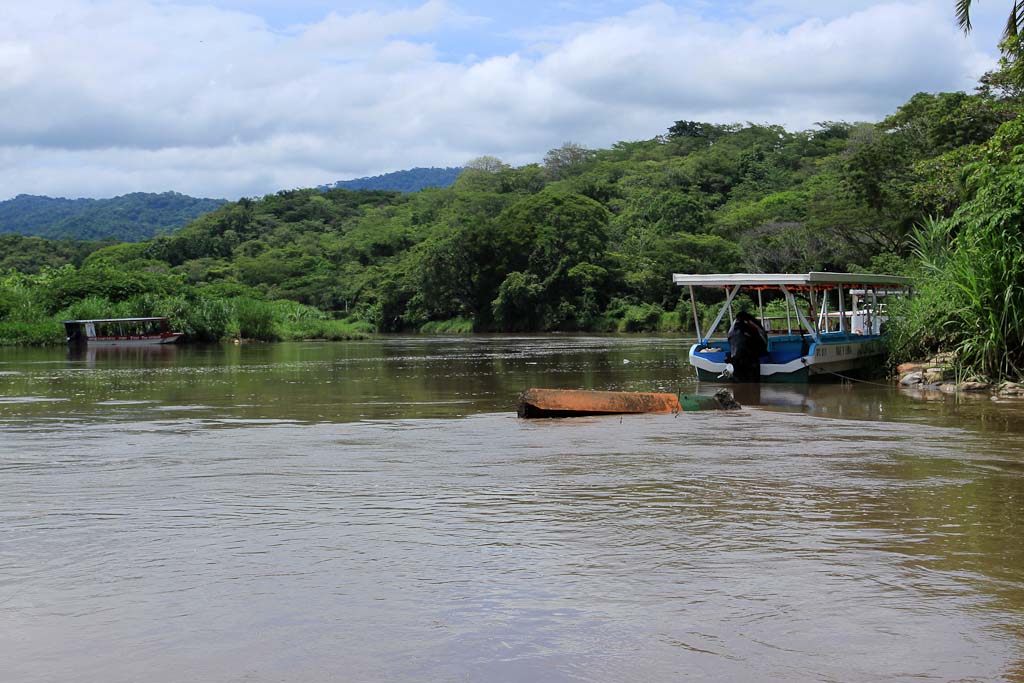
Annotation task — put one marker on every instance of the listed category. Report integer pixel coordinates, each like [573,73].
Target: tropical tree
[486,163]
[566,160]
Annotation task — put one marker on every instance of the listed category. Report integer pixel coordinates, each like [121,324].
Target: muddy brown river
[374,511]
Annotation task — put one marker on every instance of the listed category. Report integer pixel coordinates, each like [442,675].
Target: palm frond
[1013,22]
[963,15]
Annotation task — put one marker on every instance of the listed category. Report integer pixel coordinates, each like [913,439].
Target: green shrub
[18,301]
[205,320]
[255,319]
[37,333]
[90,308]
[452,326]
[642,318]
[672,322]
[330,330]
[921,325]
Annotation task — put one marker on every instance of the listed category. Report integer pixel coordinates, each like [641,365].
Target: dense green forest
[588,239]
[33,254]
[129,218]
[411,180]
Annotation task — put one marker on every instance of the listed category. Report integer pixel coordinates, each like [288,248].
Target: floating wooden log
[576,402]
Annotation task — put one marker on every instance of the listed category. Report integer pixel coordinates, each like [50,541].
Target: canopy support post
[799,314]
[874,312]
[721,313]
[696,318]
[789,321]
[813,296]
[842,311]
[823,313]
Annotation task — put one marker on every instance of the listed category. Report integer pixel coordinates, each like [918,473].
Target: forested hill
[129,218]
[412,180]
[589,239]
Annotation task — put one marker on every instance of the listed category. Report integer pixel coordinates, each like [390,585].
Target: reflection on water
[373,511]
[415,377]
[130,356]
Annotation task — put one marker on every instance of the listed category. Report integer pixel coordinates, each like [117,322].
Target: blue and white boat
[834,331]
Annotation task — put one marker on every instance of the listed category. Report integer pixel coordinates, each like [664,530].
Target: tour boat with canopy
[120,332]
[836,332]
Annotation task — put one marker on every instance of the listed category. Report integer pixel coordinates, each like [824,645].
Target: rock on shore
[937,374]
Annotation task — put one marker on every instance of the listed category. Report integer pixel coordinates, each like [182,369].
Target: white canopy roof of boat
[789,279]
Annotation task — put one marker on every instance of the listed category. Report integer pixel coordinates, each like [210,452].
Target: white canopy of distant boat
[837,332]
[120,332]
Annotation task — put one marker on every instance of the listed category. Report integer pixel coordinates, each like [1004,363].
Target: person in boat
[748,341]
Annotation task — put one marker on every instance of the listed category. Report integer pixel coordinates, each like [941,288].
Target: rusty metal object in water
[535,403]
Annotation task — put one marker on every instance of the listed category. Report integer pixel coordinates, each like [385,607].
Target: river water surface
[374,511]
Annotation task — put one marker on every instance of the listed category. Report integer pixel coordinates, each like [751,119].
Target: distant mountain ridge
[139,216]
[411,180]
[129,218]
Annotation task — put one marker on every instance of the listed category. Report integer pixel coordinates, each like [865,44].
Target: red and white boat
[120,332]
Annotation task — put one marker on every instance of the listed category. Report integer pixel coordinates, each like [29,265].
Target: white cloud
[103,97]
[346,34]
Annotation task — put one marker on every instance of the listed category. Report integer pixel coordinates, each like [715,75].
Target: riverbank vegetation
[587,240]
[33,306]
[968,260]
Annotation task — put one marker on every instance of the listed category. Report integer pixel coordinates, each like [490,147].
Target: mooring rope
[862,381]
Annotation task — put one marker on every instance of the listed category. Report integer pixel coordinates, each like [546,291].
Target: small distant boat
[836,332]
[120,332]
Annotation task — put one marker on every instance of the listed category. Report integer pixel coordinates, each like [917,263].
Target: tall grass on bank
[988,270]
[255,319]
[333,330]
[922,325]
[26,333]
[296,321]
[24,320]
[987,263]
[627,317]
[453,326]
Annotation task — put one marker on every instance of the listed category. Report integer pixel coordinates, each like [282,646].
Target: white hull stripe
[813,364]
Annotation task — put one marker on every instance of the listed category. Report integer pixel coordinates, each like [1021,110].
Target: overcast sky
[230,98]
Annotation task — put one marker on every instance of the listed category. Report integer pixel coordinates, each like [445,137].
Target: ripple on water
[639,547]
[241,539]
[31,399]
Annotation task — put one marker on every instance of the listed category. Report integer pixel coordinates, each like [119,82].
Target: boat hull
[824,361]
[140,341]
